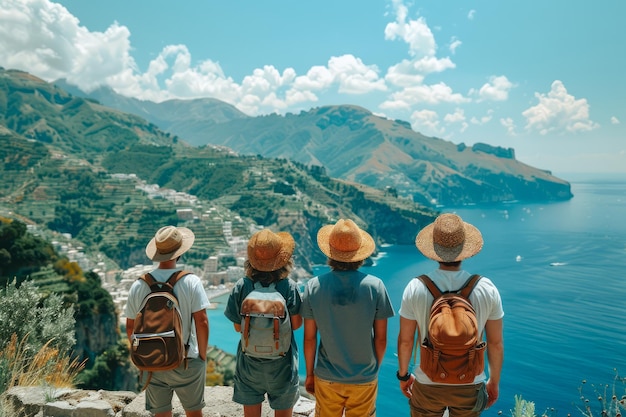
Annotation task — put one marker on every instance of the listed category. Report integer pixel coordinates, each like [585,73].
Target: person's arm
[380,339]
[296,321]
[202,332]
[130,325]
[310,349]
[495,358]
[406,338]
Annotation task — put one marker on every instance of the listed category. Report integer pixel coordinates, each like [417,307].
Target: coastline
[214,294]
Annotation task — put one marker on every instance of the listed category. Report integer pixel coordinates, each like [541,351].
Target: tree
[21,253]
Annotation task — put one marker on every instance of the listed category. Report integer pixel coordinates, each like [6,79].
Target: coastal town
[217,280]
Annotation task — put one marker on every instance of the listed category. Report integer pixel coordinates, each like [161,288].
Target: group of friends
[344,313]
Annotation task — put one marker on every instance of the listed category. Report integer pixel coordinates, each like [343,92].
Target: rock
[52,402]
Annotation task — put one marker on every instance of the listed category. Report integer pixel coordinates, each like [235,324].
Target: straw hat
[169,243]
[268,251]
[449,239]
[345,242]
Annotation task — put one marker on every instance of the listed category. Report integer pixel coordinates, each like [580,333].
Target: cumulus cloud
[409,74]
[484,119]
[354,76]
[423,94]
[45,39]
[471,14]
[415,33]
[509,125]
[497,89]
[454,44]
[614,120]
[458,117]
[426,121]
[558,111]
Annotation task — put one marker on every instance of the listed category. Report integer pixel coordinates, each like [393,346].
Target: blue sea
[561,271]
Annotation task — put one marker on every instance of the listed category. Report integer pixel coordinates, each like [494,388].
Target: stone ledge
[63,402]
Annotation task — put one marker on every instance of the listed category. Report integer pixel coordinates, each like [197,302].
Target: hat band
[448,254]
[169,249]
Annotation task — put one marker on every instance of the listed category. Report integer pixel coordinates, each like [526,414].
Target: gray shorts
[277,378]
[187,383]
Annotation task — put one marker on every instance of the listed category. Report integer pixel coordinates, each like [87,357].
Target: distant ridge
[354,144]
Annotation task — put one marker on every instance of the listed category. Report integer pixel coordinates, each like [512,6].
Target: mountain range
[355,145]
[109,179]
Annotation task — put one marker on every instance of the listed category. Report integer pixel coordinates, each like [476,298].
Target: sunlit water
[560,268]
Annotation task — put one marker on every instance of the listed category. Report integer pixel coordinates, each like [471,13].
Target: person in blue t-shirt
[269,262]
[349,310]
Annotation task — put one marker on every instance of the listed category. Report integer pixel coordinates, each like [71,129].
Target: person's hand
[407,386]
[309,384]
[493,391]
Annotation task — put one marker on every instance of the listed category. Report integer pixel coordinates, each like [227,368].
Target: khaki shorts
[332,399]
[187,383]
[460,400]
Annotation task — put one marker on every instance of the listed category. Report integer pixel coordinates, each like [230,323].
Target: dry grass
[48,366]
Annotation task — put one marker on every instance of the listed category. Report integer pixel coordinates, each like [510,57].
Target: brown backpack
[452,352]
[157,339]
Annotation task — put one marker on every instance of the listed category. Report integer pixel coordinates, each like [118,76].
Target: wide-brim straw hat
[449,239]
[344,241]
[169,243]
[269,251]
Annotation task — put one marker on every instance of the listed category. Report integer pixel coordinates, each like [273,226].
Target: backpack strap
[434,290]
[148,279]
[469,285]
[173,279]
[464,291]
[157,285]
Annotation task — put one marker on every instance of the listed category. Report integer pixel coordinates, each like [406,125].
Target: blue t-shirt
[344,305]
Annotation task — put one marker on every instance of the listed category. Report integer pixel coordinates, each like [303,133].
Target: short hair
[344,266]
[451,264]
[267,277]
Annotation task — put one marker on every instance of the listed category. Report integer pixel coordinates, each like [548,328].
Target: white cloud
[484,119]
[415,33]
[497,89]
[412,72]
[614,120]
[454,44]
[458,117]
[471,14]
[353,76]
[45,39]
[426,121]
[423,94]
[559,112]
[509,124]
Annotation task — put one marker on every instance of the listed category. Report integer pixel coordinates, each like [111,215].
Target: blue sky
[543,77]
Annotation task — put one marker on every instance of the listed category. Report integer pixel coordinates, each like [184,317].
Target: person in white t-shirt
[188,380]
[449,240]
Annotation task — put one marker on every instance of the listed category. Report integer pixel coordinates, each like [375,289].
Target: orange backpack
[452,352]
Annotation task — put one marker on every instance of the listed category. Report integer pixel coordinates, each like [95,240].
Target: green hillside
[65,169]
[356,145]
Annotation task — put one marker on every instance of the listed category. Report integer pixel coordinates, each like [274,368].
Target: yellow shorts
[332,399]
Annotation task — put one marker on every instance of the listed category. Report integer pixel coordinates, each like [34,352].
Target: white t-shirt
[191,298]
[417,300]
